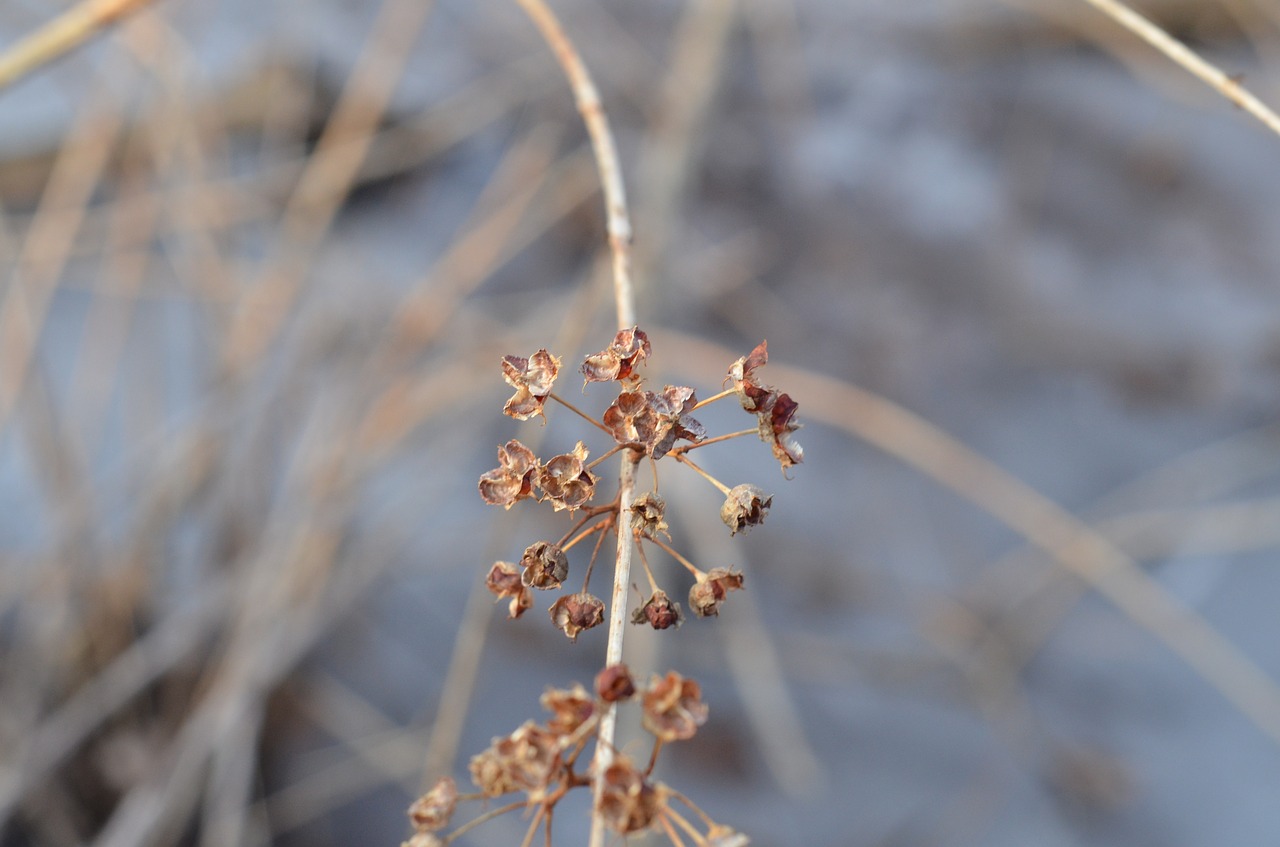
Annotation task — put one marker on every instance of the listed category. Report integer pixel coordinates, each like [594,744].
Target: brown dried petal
[776,429]
[648,515]
[672,707]
[532,379]
[709,592]
[565,480]
[618,360]
[614,683]
[627,802]
[432,810]
[544,565]
[658,611]
[751,394]
[745,507]
[512,480]
[625,412]
[504,580]
[570,708]
[573,613]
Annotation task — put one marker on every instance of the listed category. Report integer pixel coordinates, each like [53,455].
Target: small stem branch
[653,757]
[644,560]
[681,559]
[577,526]
[586,580]
[1175,50]
[61,35]
[600,527]
[600,459]
[680,457]
[685,448]
[580,413]
[713,398]
[485,817]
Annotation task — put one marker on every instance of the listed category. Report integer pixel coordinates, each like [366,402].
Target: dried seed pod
[532,379]
[570,708]
[658,611]
[614,683]
[503,580]
[744,507]
[751,394]
[672,707]
[432,810]
[565,480]
[544,565]
[628,803]
[708,593]
[574,613]
[525,760]
[618,360]
[630,417]
[648,515]
[513,479]
[673,421]
[776,427]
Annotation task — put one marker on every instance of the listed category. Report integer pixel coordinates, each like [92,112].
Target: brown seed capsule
[614,683]
[648,515]
[627,802]
[709,592]
[618,360]
[504,580]
[673,421]
[776,426]
[751,394]
[570,708]
[525,760]
[744,507]
[573,613]
[672,707]
[629,416]
[432,810]
[513,479]
[545,565]
[532,379]
[658,611]
[565,480]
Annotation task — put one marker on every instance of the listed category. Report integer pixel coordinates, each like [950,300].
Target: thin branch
[62,35]
[580,413]
[1210,74]
[685,460]
[685,448]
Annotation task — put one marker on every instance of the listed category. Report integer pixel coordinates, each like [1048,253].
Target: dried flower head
[573,613]
[751,394]
[512,481]
[614,683]
[775,430]
[658,611]
[672,409]
[504,580]
[630,417]
[672,707]
[618,360]
[525,760]
[544,565]
[709,592]
[570,708]
[628,803]
[566,481]
[648,515]
[432,810]
[744,507]
[532,379]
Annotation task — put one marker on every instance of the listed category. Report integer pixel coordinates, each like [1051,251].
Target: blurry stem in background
[1210,74]
[62,35]
[619,227]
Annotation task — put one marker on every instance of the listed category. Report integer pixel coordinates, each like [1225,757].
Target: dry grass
[247,345]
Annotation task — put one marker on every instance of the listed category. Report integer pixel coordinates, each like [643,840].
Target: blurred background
[261,262]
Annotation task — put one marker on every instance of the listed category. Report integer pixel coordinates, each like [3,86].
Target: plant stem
[62,35]
[579,413]
[680,457]
[713,398]
[619,227]
[671,551]
[685,448]
[586,580]
[487,816]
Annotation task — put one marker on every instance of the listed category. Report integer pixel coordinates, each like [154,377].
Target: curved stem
[680,457]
